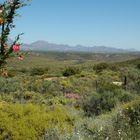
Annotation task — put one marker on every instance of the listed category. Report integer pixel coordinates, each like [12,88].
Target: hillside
[32,59]
[70,95]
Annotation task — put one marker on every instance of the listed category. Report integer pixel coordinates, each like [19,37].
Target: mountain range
[46,46]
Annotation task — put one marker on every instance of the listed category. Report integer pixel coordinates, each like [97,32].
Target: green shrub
[38,71]
[100,104]
[12,73]
[128,119]
[103,66]
[92,106]
[71,71]
[125,96]
[100,67]
[10,85]
[20,122]
[132,110]
[122,123]
[106,99]
[104,86]
[113,67]
[24,70]
[138,66]
[28,95]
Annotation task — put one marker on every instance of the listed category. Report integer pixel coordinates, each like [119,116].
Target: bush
[23,70]
[103,66]
[106,99]
[38,71]
[20,122]
[10,85]
[128,119]
[28,95]
[113,67]
[71,71]
[100,104]
[100,67]
[122,123]
[132,110]
[138,66]
[92,106]
[12,73]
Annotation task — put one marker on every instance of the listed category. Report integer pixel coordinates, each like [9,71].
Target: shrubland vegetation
[65,99]
[65,96]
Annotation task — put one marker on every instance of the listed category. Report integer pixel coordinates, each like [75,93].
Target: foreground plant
[8,12]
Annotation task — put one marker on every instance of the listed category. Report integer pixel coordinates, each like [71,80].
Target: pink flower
[16,47]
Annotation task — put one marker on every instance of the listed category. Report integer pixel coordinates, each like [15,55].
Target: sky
[113,23]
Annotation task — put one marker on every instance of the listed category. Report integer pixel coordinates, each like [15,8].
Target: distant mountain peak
[39,42]
[42,45]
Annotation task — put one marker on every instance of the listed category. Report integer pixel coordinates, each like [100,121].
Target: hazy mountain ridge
[46,46]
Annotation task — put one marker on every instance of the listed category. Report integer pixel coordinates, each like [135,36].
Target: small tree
[8,11]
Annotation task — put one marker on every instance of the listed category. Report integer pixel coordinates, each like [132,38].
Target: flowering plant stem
[8,11]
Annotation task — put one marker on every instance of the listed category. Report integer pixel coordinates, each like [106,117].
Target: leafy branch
[8,11]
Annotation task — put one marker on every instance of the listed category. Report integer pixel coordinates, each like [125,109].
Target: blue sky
[114,23]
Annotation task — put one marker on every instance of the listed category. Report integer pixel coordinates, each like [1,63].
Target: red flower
[16,47]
